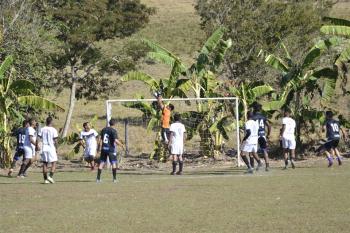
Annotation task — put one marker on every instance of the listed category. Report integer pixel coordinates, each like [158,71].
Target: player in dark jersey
[20,135]
[332,128]
[263,123]
[108,147]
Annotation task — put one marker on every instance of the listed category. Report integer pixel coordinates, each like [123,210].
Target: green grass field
[311,198]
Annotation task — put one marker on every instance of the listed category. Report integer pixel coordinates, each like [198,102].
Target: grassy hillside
[175,26]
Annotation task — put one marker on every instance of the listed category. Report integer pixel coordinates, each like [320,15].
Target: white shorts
[48,156]
[288,143]
[248,148]
[29,152]
[90,151]
[177,149]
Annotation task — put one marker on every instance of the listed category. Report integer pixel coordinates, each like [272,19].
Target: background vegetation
[181,27]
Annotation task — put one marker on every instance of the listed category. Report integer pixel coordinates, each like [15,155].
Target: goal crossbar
[236,99]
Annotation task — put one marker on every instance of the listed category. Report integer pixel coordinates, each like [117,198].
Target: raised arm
[160,101]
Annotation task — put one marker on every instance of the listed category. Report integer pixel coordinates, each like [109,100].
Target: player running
[176,143]
[48,136]
[332,128]
[263,122]
[166,114]
[20,136]
[88,141]
[288,138]
[108,147]
[30,145]
[250,142]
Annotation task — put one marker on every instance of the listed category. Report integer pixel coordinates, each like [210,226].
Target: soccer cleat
[179,173]
[172,173]
[46,182]
[250,170]
[9,174]
[267,169]
[98,181]
[293,165]
[115,180]
[339,161]
[285,168]
[259,166]
[50,180]
[21,176]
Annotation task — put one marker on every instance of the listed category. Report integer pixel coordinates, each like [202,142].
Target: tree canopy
[261,24]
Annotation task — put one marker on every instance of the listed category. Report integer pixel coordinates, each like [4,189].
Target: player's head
[171,107]
[32,122]
[25,123]
[250,115]
[257,107]
[286,112]
[112,122]
[86,126]
[329,114]
[177,117]
[49,121]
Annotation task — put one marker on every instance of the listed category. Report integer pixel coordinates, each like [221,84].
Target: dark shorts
[262,142]
[18,154]
[331,144]
[107,154]
[165,134]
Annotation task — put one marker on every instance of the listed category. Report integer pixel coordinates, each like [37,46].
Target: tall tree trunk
[71,102]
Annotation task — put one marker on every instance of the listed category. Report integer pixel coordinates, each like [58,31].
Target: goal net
[212,126]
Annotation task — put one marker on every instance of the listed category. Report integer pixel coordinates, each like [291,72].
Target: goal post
[221,115]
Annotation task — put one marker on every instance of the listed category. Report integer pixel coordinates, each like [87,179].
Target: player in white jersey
[176,143]
[88,139]
[250,142]
[30,146]
[48,136]
[288,138]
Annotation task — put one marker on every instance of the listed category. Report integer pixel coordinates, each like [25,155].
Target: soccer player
[20,136]
[48,135]
[288,138]
[332,128]
[263,122]
[166,114]
[108,147]
[88,141]
[250,142]
[30,144]
[176,143]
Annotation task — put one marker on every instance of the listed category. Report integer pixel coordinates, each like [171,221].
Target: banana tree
[341,28]
[301,81]
[170,87]
[14,95]
[201,79]
[249,93]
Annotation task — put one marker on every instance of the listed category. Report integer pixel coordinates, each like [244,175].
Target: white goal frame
[236,99]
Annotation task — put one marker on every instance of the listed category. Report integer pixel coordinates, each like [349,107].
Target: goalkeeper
[166,114]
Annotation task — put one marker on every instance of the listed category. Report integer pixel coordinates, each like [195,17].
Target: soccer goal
[212,126]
